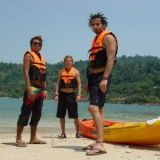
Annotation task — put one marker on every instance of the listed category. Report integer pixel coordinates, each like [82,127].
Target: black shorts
[67,101]
[97,98]
[34,110]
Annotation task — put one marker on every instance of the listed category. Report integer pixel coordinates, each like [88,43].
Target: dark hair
[36,37]
[98,15]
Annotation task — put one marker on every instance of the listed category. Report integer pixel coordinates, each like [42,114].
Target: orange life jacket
[68,79]
[38,67]
[98,57]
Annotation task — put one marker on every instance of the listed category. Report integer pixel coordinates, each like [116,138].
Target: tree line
[134,79]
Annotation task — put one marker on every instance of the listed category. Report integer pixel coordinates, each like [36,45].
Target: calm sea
[10,109]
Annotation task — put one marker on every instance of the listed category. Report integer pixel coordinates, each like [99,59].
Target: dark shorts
[97,98]
[67,101]
[34,110]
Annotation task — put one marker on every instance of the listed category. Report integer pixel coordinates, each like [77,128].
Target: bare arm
[45,90]
[111,46]
[45,85]
[26,66]
[57,86]
[79,83]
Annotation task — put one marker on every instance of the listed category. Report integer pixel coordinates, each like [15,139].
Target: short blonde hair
[68,56]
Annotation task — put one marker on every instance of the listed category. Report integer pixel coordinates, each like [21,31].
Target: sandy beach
[69,148]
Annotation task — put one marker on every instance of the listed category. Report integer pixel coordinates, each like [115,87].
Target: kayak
[136,133]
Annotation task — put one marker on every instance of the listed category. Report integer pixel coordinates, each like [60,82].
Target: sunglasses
[37,43]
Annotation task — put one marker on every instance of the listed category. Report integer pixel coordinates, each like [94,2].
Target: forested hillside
[134,79]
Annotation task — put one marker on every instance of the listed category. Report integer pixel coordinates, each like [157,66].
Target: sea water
[10,110]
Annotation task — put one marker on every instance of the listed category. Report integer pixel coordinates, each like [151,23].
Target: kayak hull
[136,133]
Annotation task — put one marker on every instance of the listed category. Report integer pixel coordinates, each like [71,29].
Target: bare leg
[76,122]
[19,131]
[102,114]
[63,133]
[33,132]
[62,122]
[97,114]
[19,141]
[97,147]
[34,139]
[98,119]
[101,111]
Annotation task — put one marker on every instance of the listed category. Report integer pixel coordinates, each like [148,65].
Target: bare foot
[20,143]
[36,141]
[96,150]
[89,147]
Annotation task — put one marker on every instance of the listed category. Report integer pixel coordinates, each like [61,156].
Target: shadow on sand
[75,148]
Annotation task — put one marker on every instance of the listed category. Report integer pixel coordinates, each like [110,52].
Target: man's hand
[30,94]
[45,93]
[56,98]
[103,85]
[78,98]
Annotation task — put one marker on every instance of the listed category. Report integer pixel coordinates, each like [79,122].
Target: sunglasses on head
[37,43]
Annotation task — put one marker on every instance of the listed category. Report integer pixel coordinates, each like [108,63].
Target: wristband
[104,78]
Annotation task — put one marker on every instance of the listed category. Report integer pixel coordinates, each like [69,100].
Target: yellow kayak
[139,133]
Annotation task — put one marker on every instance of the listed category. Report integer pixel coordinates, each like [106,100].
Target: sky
[63,25]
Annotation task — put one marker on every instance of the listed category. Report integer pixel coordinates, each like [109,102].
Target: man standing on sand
[34,69]
[101,60]
[68,81]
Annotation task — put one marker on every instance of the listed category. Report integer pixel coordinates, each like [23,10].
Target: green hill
[134,79]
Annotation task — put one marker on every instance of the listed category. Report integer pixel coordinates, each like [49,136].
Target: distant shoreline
[117,102]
